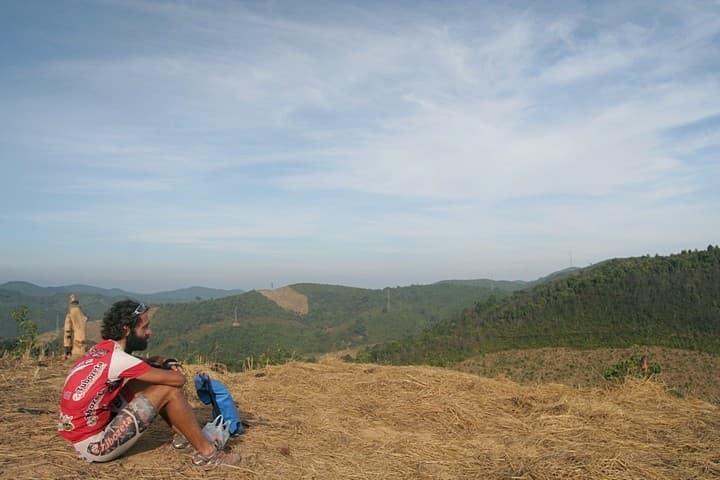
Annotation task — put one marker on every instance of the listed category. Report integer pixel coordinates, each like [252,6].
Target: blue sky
[154,145]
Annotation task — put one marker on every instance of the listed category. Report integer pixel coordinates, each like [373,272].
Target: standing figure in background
[75,320]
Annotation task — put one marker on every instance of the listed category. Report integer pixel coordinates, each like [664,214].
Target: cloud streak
[430,134]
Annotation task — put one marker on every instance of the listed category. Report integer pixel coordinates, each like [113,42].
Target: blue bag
[213,391]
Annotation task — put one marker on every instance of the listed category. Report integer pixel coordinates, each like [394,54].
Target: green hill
[671,301]
[338,318]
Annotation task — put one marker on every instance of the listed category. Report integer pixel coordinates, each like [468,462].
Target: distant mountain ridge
[669,301]
[510,285]
[48,305]
[189,294]
[181,295]
[506,285]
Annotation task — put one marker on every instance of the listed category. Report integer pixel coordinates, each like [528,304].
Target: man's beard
[135,343]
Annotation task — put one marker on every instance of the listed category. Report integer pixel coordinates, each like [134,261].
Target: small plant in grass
[637,366]
[26,342]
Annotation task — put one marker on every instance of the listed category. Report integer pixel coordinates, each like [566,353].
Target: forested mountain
[338,317]
[663,300]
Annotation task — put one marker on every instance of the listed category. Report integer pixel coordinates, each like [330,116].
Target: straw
[333,420]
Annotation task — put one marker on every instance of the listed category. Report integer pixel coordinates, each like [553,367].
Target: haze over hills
[511,285]
[48,305]
[670,301]
[180,295]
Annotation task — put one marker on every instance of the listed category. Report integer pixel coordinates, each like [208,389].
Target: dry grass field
[332,420]
[683,372]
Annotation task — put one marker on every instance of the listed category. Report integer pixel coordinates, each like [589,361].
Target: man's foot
[216,459]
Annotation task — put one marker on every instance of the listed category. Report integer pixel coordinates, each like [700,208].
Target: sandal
[182,444]
[216,459]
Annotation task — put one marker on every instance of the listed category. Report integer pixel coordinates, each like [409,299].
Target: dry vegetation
[288,299]
[684,372]
[332,420]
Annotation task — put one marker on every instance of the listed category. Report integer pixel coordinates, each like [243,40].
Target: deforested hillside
[333,420]
[672,301]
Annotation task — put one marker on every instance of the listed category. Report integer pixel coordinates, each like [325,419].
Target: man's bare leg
[172,405]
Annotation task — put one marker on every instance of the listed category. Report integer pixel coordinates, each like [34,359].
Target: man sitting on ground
[110,397]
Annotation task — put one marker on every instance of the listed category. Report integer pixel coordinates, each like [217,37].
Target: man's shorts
[134,413]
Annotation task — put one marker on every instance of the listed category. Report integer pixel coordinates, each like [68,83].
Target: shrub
[636,366]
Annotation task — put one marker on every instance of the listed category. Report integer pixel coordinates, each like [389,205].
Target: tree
[27,330]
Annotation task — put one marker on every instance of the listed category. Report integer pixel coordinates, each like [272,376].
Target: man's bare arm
[159,376]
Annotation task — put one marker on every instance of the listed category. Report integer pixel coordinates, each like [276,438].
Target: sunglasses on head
[141,308]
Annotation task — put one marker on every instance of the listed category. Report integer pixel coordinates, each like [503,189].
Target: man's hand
[155,361]
[158,361]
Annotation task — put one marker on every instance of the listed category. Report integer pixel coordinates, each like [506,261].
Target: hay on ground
[333,420]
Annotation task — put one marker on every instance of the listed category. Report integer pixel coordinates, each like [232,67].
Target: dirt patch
[288,299]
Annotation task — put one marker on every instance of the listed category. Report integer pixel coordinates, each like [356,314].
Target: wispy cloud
[378,131]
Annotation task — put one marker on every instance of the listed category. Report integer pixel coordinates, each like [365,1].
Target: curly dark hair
[120,315]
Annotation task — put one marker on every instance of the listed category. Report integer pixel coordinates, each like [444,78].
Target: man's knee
[143,411]
[161,395]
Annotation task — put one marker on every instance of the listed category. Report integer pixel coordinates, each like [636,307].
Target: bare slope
[333,420]
[288,299]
